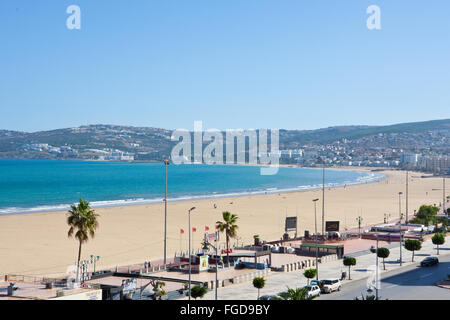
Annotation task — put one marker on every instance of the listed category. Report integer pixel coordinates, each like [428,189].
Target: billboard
[291,224]
[203,263]
[331,226]
[129,285]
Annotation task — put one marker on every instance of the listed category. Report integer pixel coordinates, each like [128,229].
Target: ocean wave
[371,177]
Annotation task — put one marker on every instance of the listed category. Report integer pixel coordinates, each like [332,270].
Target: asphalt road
[408,283]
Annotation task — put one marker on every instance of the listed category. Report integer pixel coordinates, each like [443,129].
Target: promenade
[278,282]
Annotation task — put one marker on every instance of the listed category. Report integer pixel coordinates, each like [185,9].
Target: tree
[413,245]
[425,214]
[198,292]
[158,289]
[229,226]
[259,283]
[367,297]
[310,273]
[383,253]
[438,239]
[349,261]
[295,294]
[83,222]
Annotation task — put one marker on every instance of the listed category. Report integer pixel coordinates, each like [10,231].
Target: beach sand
[37,244]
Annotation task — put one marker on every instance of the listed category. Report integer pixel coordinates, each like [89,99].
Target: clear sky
[232,63]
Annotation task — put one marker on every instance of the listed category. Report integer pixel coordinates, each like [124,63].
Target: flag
[206,228]
[181,231]
[217,227]
[194,229]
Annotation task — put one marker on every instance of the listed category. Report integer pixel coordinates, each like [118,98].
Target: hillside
[153,144]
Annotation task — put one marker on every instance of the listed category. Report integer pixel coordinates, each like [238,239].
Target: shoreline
[142,201]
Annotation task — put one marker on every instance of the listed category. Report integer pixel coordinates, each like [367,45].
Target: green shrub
[413,245]
[198,292]
[349,261]
[310,273]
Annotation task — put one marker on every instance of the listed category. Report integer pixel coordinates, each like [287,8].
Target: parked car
[313,291]
[429,261]
[318,283]
[270,297]
[331,285]
[275,249]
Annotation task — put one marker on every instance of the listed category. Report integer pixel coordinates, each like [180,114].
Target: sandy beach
[37,244]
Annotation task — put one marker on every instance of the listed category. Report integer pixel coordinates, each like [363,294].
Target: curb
[439,284]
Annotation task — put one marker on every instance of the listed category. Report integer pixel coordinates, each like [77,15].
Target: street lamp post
[317,242]
[443,196]
[376,279]
[400,206]
[94,259]
[406,194]
[166,163]
[401,240]
[190,270]
[323,199]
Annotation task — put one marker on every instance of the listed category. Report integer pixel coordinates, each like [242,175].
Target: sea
[28,186]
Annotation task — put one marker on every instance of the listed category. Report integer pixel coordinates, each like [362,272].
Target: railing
[32,279]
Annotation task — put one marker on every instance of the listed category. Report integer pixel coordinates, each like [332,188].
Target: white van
[331,285]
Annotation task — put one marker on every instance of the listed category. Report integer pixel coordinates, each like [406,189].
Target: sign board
[212,236]
[331,226]
[129,285]
[291,224]
[85,294]
[203,266]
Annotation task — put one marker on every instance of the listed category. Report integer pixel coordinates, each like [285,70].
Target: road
[408,283]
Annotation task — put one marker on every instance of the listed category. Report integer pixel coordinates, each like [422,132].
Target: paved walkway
[278,282]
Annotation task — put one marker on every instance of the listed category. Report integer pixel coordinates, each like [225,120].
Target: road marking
[394,285]
[426,275]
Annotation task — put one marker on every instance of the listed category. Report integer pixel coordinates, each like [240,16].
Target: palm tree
[295,294]
[83,222]
[229,226]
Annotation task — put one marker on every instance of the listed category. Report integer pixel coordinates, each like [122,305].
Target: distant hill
[331,134]
[154,144]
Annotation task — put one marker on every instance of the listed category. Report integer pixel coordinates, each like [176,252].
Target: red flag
[217,227]
[206,228]
[194,229]
[181,231]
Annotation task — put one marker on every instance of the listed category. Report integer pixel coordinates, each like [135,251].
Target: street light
[443,196]
[166,163]
[189,214]
[400,206]
[317,242]
[376,279]
[94,259]
[407,194]
[323,199]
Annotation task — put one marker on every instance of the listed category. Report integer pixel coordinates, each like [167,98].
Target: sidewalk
[278,282]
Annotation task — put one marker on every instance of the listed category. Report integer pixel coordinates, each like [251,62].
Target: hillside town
[427,151]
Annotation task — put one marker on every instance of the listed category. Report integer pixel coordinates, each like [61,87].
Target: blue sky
[232,64]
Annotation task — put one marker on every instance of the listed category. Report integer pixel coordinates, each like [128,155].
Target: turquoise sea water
[40,185]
